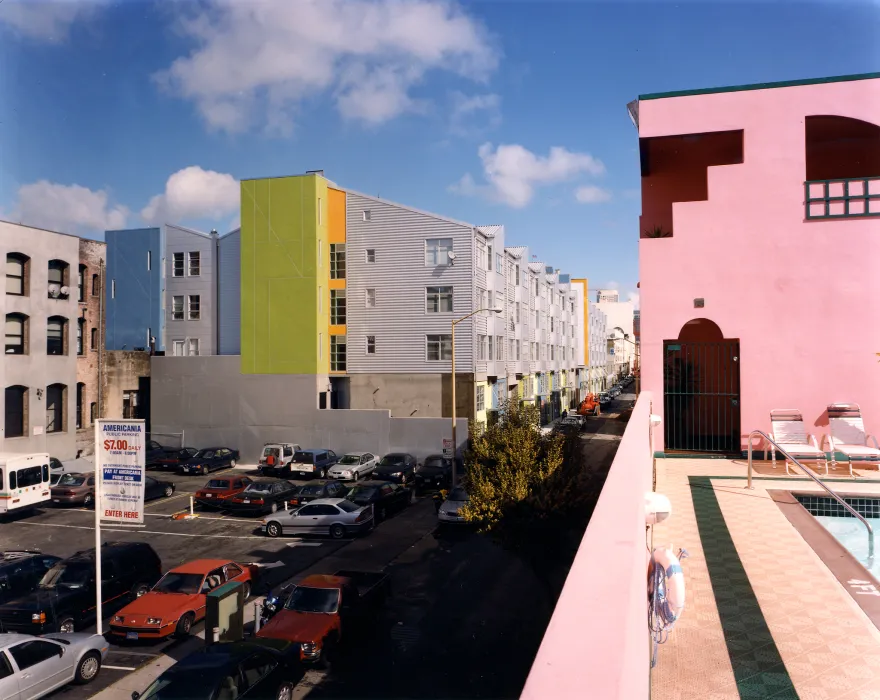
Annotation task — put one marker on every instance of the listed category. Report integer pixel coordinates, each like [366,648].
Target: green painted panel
[279,275]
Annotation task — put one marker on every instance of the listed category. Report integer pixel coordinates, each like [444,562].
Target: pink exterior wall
[803,297]
[597,644]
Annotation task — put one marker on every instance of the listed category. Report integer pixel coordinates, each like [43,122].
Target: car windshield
[313,600]
[392,461]
[258,488]
[458,494]
[304,457]
[183,687]
[435,463]
[71,575]
[347,506]
[185,454]
[271,452]
[362,492]
[218,484]
[205,454]
[311,490]
[174,582]
[350,459]
[71,480]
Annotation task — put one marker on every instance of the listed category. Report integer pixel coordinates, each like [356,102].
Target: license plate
[131,635]
[56,500]
[246,500]
[209,495]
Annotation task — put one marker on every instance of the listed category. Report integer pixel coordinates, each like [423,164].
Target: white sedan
[449,510]
[353,466]
[334,516]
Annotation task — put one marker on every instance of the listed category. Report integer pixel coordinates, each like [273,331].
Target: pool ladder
[810,473]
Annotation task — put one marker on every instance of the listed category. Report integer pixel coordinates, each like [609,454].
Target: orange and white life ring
[665,593]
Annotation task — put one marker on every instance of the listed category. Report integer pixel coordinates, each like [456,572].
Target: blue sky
[117,113]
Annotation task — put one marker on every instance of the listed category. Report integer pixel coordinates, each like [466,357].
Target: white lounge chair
[788,430]
[848,436]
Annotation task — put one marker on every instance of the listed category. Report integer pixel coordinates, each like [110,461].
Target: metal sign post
[120,471]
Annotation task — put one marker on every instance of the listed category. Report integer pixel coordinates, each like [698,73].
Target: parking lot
[456,615]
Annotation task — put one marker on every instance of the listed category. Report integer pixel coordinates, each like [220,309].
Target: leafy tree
[530,491]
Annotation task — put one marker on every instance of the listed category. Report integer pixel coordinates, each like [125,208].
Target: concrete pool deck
[764,616]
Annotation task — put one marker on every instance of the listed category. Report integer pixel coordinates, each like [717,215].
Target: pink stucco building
[760,256]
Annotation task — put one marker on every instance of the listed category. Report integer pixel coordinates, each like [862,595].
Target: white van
[25,481]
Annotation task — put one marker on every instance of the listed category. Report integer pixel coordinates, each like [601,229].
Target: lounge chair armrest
[871,438]
[812,439]
[824,440]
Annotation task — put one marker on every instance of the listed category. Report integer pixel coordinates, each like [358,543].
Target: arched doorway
[701,390]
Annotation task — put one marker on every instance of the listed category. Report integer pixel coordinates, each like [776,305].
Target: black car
[256,669]
[385,496]
[262,497]
[435,473]
[64,599]
[209,460]
[155,452]
[21,571]
[397,466]
[313,490]
[171,460]
[153,488]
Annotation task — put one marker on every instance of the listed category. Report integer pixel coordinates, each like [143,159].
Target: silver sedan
[31,667]
[334,516]
[353,466]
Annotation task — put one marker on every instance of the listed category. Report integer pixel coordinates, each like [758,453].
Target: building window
[16,272]
[16,334]
[93,412]
[195,264]
[337,353]
[517,350]
[552,353]
[438,299]
[56,416]
[194,307]
[491,345]
[130,403]
[80,332]
[149,260]
[177,348]
[177,268]
[94,339]
[58,278]
[499,347]
[499,264]
[337,261]
[16,411]
[437,251]
[439,347]
[489,258]
[80,398]
[516,275]
[481,347]
[80,284]
[96,285]
[517,312]
[113,289]
[193,347]
[511,350]
[371,345]
[55,344]
[177,308]
[320,213]
[371,255]
[337,307]
[481,398]
[368,215]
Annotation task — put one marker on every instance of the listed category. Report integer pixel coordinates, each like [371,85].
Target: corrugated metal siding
[181,240]
[399,276]
[229,294]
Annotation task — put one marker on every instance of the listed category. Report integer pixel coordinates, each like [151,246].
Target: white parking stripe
[148,532]
[119,668]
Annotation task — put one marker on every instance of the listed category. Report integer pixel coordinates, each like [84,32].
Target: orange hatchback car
[178,600]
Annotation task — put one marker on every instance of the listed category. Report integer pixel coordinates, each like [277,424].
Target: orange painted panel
[337,284]
[337,330]
[336,215]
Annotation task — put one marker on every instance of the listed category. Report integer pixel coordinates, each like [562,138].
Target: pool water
[853,535]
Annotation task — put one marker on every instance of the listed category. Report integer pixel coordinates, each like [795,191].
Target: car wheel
[66,625]
[337,532]
[322,474]
[381,514]
[169,491]
[285,692]
[184,625]
[231,463]
[140,589]
[87,500]
[273,529]
[403,479]
[246,590]
[273,508]
[87,668]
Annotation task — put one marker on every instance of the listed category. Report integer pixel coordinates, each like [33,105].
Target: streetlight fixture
[496,310]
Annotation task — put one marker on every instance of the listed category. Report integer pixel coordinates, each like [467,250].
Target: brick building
[89,342]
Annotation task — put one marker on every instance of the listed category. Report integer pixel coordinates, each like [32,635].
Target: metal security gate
[701,396]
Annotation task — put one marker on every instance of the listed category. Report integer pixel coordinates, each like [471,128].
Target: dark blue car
[208,460]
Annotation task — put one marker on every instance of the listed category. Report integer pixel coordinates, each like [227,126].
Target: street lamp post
[454,440]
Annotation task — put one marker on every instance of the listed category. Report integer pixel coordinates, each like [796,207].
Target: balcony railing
[839,199]
[597,643]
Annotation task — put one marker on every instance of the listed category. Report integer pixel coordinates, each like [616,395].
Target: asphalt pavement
[464,620]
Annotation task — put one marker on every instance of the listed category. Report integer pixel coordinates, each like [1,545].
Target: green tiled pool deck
[764,617]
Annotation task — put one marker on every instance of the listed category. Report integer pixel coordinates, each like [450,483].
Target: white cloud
[471,113]
[255,62]
[67,208]
[612,285]
[48,21]
[512,172]
[194,193]
[590,194]
[635,298]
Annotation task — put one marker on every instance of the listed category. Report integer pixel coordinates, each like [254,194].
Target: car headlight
[309,647]
[117,618]
[154,620]
[347,472]
[38,617]
[396,473]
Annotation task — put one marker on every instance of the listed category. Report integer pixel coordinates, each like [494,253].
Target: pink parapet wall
[802,296]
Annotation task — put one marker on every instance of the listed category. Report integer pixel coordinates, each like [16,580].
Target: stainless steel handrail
[810,473]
